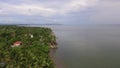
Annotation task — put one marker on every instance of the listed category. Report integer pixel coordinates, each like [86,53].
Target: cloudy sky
[59,11]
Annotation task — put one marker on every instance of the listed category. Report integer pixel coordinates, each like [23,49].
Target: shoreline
[56,61]
[52,52]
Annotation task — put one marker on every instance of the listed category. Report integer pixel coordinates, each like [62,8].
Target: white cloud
[78,5]
[47,8]
[108,11]
[24,9]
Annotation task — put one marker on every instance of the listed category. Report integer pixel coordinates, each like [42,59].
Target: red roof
[18,42]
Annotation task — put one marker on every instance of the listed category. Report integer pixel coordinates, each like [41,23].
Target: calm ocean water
[87,46]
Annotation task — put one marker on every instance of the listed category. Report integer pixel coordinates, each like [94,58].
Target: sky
[59,11]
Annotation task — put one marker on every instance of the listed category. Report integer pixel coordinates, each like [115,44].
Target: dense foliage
[32,53]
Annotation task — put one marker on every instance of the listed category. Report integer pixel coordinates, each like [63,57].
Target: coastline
[54,47]
[56,61]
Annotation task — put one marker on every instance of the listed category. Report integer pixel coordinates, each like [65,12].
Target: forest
[26,47]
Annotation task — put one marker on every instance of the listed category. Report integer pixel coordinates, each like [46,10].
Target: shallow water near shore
[87,46]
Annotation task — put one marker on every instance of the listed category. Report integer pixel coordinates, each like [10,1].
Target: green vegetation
[32,53]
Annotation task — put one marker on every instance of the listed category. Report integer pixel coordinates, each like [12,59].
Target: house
[16,44]
[30,35]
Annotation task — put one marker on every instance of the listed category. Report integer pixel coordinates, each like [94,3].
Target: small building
[31,36]
[16,44]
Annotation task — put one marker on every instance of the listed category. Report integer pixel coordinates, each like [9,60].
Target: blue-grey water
[87,46]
